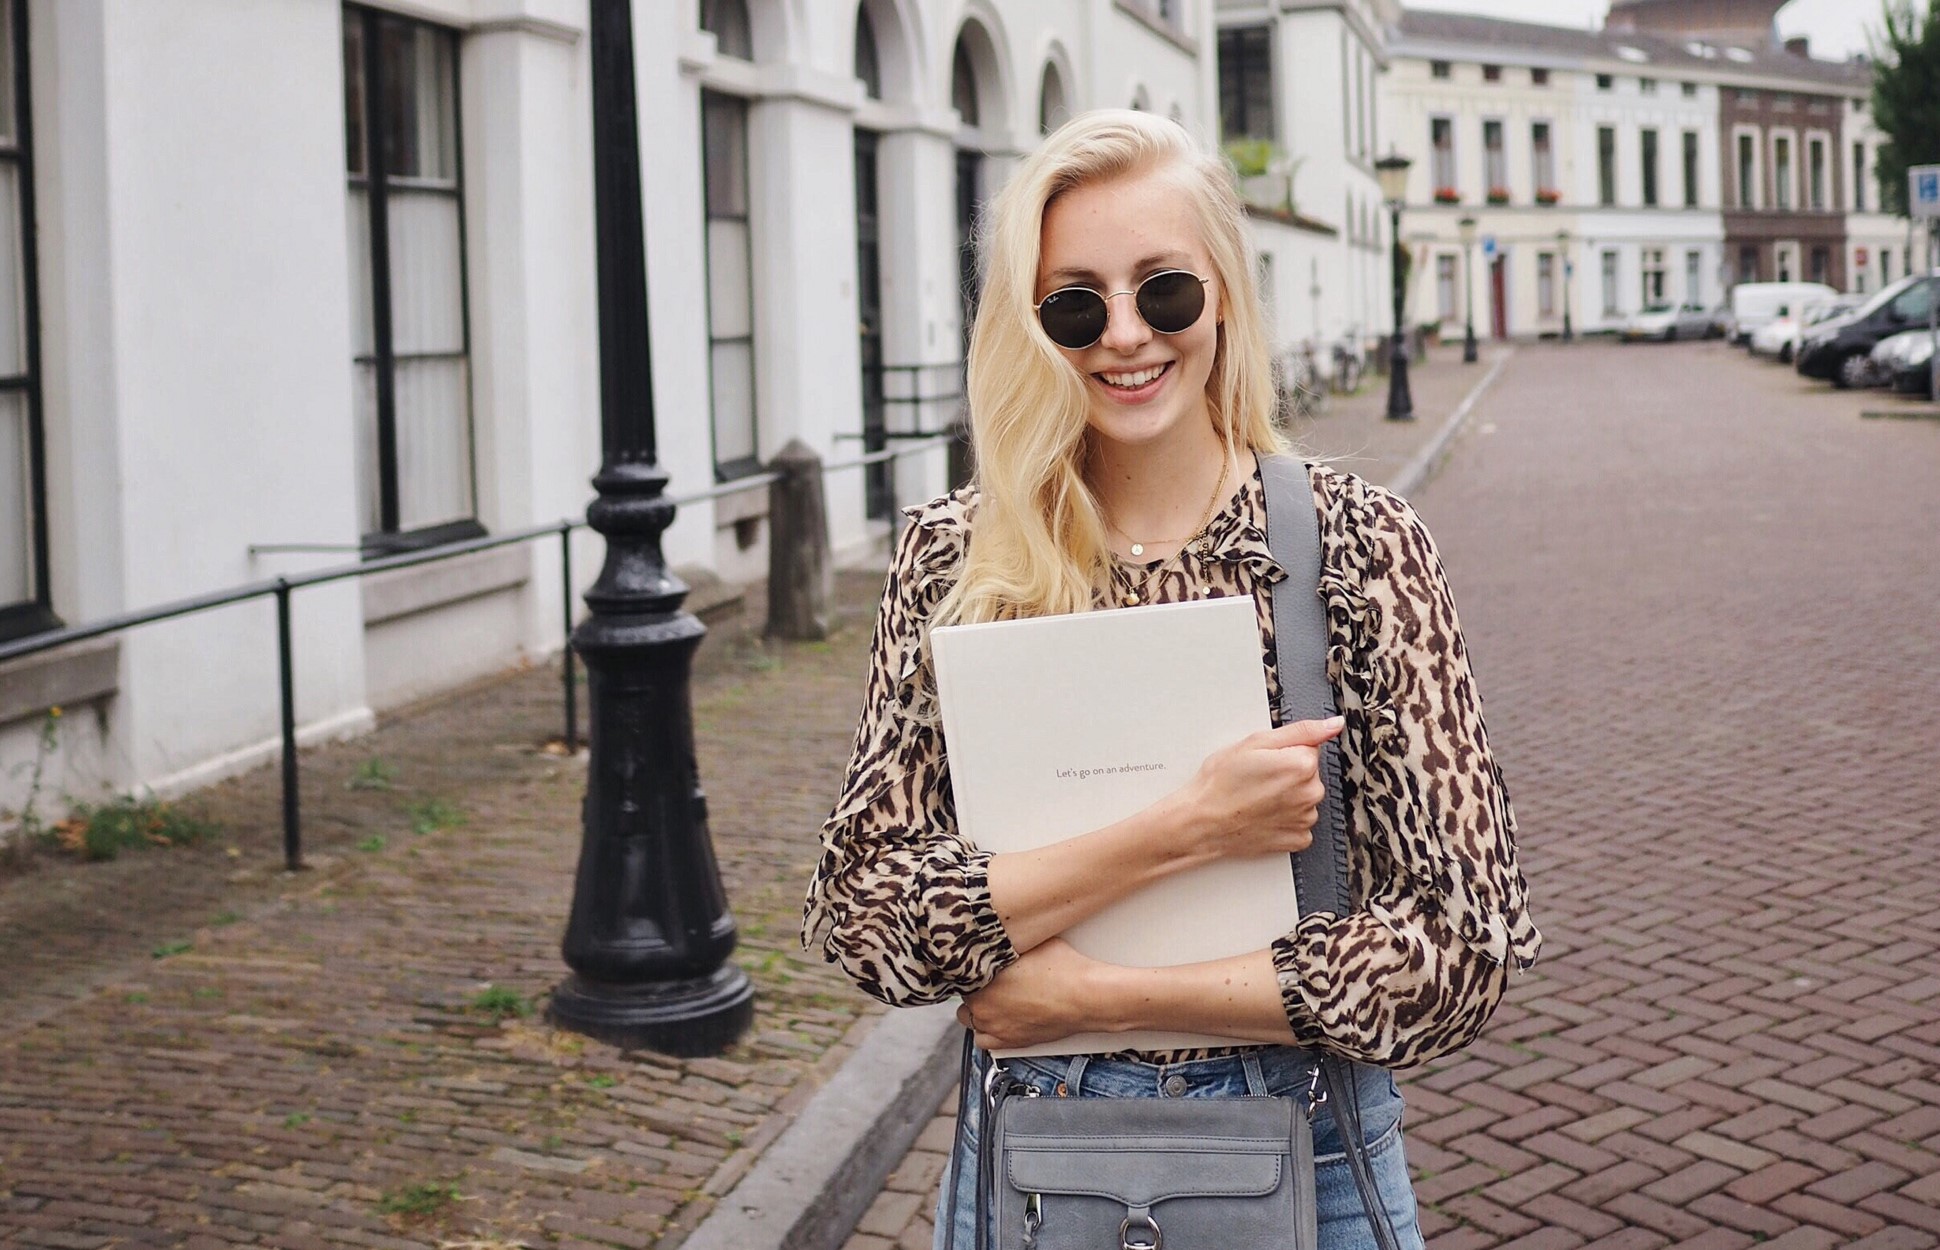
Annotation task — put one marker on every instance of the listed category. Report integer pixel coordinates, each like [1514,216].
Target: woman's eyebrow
[1158,260]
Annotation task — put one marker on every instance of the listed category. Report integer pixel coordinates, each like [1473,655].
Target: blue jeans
[1342,1221]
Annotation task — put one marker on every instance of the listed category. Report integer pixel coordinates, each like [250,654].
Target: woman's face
[1144,387]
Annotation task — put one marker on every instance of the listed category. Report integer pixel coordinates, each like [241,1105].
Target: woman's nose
[1125,329]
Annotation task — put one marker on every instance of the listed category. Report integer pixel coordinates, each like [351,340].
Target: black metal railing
[282,588]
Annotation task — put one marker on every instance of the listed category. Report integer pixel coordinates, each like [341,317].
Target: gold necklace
[1205,519]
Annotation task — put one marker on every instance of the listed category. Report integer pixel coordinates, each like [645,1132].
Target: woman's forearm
[1236,997]
[1039,894]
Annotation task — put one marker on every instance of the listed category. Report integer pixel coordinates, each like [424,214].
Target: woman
[1120,393]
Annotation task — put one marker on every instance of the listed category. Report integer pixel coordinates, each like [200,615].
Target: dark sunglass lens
[1171,302]
[1073,318]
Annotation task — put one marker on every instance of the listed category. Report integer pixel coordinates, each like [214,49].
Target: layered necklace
[1130,596]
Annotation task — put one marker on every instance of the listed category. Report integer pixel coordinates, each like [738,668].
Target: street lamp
[649,933]
[1392,170]
[1563,246]
[1467,227]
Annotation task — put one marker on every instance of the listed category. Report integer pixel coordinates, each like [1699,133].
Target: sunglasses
[1170,301]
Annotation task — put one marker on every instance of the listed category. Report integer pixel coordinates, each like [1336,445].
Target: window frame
[34,614]
[1693,164]
[1648,158]
[750,464]
[390,537]
[1606,166]
[1241,40]
[1542,156]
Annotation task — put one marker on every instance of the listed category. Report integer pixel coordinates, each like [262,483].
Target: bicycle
[1350,363]
[1300,391]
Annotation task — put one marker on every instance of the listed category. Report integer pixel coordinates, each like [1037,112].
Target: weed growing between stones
[500,1003]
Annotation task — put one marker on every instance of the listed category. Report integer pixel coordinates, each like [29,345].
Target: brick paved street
[1702,597]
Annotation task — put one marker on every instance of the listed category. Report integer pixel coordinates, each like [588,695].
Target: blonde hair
[1038,545]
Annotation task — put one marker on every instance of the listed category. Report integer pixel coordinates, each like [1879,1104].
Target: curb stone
[808,1190]
[1429,458]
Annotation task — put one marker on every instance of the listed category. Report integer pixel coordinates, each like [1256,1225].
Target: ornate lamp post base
[687,1019]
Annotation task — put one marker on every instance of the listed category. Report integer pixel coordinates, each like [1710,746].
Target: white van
[1753,304]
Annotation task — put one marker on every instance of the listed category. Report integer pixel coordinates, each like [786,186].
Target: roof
[1421,31]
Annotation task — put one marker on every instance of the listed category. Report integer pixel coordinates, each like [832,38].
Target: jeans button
[1174,1086]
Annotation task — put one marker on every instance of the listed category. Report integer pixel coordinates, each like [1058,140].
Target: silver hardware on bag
[1125,1235]
[1316,1096]
[1033,1219]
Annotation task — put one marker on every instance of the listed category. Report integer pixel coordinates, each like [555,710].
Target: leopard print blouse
[902,902]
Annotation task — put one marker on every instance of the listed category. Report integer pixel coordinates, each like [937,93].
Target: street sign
[1923,191]
[1488,242]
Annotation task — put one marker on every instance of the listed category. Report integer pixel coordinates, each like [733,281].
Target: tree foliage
[1906,94]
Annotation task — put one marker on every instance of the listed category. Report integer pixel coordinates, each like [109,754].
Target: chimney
[1799,45]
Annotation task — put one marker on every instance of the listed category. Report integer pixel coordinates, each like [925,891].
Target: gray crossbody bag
[1141,1173]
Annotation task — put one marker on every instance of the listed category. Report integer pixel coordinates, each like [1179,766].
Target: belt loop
[1074,1075]
[1255,1079]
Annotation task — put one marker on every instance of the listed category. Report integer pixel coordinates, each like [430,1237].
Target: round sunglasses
[1170,301]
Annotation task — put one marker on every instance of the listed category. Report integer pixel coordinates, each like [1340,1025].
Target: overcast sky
[1837,28]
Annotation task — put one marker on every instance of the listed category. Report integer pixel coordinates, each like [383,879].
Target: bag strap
[1320,877]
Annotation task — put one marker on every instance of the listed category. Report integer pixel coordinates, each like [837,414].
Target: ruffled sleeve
[899,899]
[1443,917]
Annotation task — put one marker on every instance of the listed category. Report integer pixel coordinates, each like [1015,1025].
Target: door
[1499,295]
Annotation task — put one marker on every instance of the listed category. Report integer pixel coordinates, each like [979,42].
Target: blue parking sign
[1924,184]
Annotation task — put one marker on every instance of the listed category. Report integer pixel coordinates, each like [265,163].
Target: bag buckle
[1316,1096]
[1146,1224]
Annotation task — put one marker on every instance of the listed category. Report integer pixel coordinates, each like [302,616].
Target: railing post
[800,581]
[286,672]
[567,664]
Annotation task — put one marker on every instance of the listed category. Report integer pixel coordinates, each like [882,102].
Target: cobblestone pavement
[1701,595]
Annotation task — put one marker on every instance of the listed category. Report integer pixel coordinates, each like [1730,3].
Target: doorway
[1499,296]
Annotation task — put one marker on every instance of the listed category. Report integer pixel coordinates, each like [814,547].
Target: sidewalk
[198,1050]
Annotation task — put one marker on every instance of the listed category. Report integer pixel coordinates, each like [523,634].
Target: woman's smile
[1134,386]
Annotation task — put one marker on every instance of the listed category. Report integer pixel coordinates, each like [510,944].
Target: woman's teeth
[1132,381]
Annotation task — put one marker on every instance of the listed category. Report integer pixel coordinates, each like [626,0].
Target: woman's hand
[1049,993]
[1262,795]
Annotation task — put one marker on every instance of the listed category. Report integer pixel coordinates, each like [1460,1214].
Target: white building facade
[1592,177]
[1303,83]
[334,290]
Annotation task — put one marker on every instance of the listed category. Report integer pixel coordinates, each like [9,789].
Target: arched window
[727,21]
[963,85]
[1052,109]
[867,66]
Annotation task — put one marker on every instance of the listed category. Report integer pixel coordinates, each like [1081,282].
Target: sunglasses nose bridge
[1123,324]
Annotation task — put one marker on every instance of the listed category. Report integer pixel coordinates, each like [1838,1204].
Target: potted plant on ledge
[1498,195]
[1548,197]
[1447,195]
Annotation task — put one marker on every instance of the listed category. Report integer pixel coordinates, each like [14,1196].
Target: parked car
[1755,303]
[1775,337]
[1912,372]
[1838,350]
[1720,323]
[1666,322]
[1780,337]
[1884,361]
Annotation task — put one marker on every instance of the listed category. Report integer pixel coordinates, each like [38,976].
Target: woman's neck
[1156,494]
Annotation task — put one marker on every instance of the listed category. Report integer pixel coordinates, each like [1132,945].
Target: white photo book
[1060,725]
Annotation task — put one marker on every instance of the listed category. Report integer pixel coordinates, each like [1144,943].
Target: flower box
[1447,195]
[1498,195]
[1548,196]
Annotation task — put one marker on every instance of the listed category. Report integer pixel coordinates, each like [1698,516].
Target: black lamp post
[650,932]
[1467,227]
[1392,170]
[1569,268]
